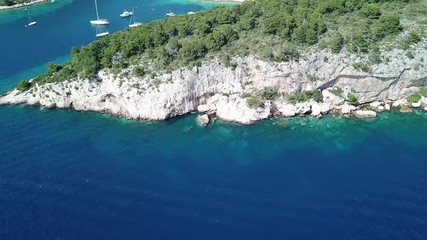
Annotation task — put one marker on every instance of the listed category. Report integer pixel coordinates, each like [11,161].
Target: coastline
[222,92]
[20,5]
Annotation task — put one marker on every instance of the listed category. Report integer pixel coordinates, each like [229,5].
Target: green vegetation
[416,96]
[258,97]
[275,30]
[371,10]
[23,86]
[337,43]
[313,78]
[363,67]
[336,91]
[410,55]
[413,38]
[138,71]
[254,102]
[304,96]
[351,99]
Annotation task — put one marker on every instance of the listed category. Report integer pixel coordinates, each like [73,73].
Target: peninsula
[249,62]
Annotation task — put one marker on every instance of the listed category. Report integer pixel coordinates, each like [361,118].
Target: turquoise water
[72,175]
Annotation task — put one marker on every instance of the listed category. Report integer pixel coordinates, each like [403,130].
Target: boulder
[203,120]
[387,107]
[316,109]
[287,110]
[364,114]
[303,108]
[325,107]
[375,104]
[346,108]
[235,109]
[416,104]
[203,108]
[331,98]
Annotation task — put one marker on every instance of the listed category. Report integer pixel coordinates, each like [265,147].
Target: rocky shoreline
[216,90]
[22,4]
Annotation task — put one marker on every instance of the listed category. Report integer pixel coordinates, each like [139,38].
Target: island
[249,62]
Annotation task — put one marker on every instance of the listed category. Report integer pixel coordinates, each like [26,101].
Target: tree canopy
[186,39]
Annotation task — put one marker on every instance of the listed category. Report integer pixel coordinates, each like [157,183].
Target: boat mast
[96,8]
[133,14]
[28,13]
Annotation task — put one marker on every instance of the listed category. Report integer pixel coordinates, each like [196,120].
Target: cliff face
[223,91]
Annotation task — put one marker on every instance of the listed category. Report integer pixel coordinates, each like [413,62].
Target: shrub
[363,67]
[337,43]
[336,91]
[304,96]
[269,94]
[138,71]
[371,10]
[375,54]
[23,86]
[254,102]
[413,38]
[410,55]
[351,99]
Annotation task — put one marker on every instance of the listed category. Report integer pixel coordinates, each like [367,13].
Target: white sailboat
[99,21]
[126,14]
[132,22]
[30,22]
[170,14]
[100,34]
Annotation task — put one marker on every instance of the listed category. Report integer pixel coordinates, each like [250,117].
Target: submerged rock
[405,109]
[203,120]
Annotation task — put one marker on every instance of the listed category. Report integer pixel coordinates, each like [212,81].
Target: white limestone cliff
[223,91]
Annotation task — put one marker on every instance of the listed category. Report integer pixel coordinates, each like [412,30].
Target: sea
[72,175]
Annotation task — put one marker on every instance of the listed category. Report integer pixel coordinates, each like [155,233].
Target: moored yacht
[126,14]
[99,21]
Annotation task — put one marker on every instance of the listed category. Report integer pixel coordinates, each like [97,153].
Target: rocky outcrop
[203,120]
[224,92]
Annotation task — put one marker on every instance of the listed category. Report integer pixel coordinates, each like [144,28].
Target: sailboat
[30,22]
[170,14]
[126,14]
[133,24]
[99,21]
[100,34]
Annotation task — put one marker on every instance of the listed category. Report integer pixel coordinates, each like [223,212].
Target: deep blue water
[72,175]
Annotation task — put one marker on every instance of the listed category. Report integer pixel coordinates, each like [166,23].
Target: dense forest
[276,30]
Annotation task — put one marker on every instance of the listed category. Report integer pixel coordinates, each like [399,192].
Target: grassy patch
[416,96]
